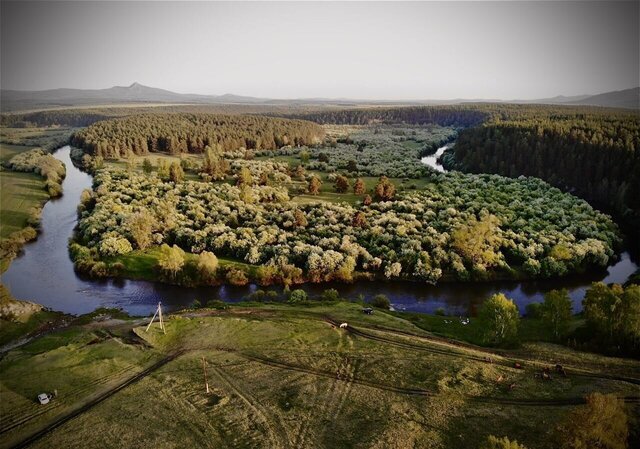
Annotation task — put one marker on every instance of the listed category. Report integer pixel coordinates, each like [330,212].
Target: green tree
[601,423]
[304,156]
[478,241]
[556,312]
[499,318]
[501,443]
[147,165]
[171,260]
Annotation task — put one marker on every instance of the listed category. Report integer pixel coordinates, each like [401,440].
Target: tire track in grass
[277,437]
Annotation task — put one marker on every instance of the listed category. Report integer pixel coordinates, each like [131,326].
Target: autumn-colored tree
[314,185]
[341,184]
[385,190]
[176,174]
[366,201]
[601,423]
[300,219]
[244,177]
[359,220]
[359,187]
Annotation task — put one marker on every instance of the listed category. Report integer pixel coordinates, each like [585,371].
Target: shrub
[297,295]
[236,276]
[501,443]
[331,294]
[381,301]
[533,310]
[440,311]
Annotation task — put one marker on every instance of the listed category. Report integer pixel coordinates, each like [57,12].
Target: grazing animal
[488,359]
[500,378]
[343,326]
[512,386]
[516,365]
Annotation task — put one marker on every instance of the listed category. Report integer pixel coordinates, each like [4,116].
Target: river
[43,273]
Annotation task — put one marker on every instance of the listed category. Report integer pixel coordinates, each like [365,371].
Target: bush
[330,294]
[381,301]
[501,443]
[297,296]
[533,310]
[440,311]
[217,304]
[236,276]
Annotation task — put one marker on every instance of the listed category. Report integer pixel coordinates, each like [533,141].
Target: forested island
[249,197]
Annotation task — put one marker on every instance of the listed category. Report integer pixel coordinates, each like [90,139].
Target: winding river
[43,273]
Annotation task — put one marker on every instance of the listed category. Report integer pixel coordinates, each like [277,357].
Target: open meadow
[284,376]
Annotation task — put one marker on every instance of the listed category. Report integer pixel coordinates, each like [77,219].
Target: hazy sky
[430,50]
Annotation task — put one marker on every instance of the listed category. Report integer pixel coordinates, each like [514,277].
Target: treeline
[458,116]
[192,133]
[595,155]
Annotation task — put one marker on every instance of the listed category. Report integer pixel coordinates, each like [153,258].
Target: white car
[44,398]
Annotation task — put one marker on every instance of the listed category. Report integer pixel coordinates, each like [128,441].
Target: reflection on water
[44,274]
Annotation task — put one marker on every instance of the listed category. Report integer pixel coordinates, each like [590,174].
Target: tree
[499,317]
[359,187]
[171,260]
[352,166]
[147,165]
[176,174]
[300,219]
[207,266]
[359,220]
[603,308]
[304,156]
[330,294]
[385,190]
[342,184]
[314,185]
[556,312]
[297,295]
[140,225]
[366,201]
[381,301]
[501,443]
[244,177]
[478,241]
[601,423]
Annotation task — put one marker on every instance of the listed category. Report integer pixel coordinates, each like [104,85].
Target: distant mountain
[628,98]
[16,100]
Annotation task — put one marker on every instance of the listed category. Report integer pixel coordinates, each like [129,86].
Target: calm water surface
[44,274]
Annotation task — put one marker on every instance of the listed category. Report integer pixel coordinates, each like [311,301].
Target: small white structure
[343,326]
[44,398]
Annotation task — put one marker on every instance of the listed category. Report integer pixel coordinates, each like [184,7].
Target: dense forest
[458,116]
[192,133]
[596,156]
[464,226]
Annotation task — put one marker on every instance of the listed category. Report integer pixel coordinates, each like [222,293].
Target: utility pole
[204,369]
[158,312]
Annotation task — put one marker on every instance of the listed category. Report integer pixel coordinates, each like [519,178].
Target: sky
[360,50]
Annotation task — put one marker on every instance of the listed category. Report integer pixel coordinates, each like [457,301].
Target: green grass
[141,264]
[19,192]
[281,376]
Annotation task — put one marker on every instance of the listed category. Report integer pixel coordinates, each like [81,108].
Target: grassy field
[281,376]
[19,192]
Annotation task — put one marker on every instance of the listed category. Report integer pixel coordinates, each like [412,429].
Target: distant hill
[628,98]
[17,100]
